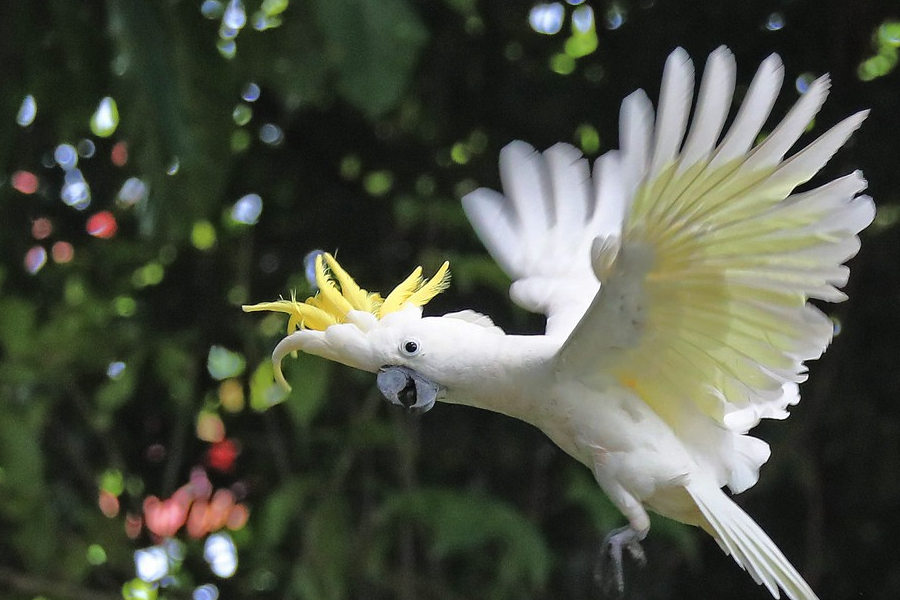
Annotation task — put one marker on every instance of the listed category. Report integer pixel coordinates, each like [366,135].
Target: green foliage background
[390,111]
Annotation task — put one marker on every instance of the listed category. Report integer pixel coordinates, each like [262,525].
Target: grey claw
[611,568]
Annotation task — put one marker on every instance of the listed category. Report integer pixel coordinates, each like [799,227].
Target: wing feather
[706,255]
[704,310]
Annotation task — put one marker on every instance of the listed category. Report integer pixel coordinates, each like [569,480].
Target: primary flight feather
[675,280]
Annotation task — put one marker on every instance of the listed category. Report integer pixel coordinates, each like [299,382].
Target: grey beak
[407,388]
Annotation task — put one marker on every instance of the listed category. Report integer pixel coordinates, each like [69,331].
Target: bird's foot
[610,567]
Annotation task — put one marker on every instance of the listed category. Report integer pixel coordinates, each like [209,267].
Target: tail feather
[746,542]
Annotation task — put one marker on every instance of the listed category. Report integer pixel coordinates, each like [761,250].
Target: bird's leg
[610,567]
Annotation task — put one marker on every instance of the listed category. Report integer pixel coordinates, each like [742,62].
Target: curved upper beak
[407,388]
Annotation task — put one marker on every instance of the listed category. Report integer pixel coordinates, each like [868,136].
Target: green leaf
[264,392]
[310,387]
[461,522]
[327,546]
[372,45]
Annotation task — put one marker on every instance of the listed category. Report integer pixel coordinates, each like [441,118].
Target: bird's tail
[740,537]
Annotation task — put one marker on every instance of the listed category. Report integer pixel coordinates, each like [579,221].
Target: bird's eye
[410,347]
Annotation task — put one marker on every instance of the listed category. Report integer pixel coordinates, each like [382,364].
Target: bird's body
[675,281]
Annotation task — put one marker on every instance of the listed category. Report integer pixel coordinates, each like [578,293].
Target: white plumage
[702,313]
[675,281]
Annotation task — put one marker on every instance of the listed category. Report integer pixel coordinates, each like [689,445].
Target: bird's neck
[509,378]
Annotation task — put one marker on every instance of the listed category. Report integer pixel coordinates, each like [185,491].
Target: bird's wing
[702,308]
[540,232]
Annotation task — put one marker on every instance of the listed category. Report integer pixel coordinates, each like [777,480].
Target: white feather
[772,150]
[716,90]
[674,106]
[753,113]
[488,213]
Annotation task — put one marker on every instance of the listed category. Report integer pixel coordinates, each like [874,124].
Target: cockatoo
[675,282]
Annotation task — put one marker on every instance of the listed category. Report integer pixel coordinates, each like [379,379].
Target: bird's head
[385,335]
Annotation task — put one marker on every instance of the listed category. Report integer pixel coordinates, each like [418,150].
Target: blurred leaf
[460,522]
[117,391]
[24,489]
[308,393]
[264,392]
[285,503]
[373,45]
[168,117]
[323,573]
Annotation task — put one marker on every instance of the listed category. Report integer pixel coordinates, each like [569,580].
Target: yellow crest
[338,294]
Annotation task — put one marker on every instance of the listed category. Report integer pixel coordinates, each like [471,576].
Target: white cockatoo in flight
[675,281]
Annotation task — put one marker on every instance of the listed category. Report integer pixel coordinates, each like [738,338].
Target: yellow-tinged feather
[432,287]
[400,294]
[331,298]
[339,294]
[355,295]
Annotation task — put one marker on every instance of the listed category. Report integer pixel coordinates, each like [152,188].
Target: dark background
[389,111]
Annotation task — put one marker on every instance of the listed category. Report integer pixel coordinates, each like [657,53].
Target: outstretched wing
[540,232]
[703,305]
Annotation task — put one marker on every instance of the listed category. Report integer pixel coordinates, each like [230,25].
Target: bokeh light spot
[25,182]
[547,18]
[242,114]
[562,64]
[150,274]
[35,259]
[119,154]
[583,19]
[75,191]
[209,427]
[588,138]
[247,209]
[108,504]
[212,9]
[309,268]
[203,235]
[96,555]
[271,134]
[207,591]
[237,517]
[221,554]
[222,363]
[378,183]
[231,395]
[27,111]
[132,191]
[86,148]
[66,156]
[125,306]
[235,17]
[614,17]
[105,119]
[62,252]
[251,91]
[274,7]
[775,21]
[226,48]
[151,564]
[803,82]
[41,228]
[351,167]
[136,589]
[459,153]
[173,167]
[115,369]
[221,455]
[102,225]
